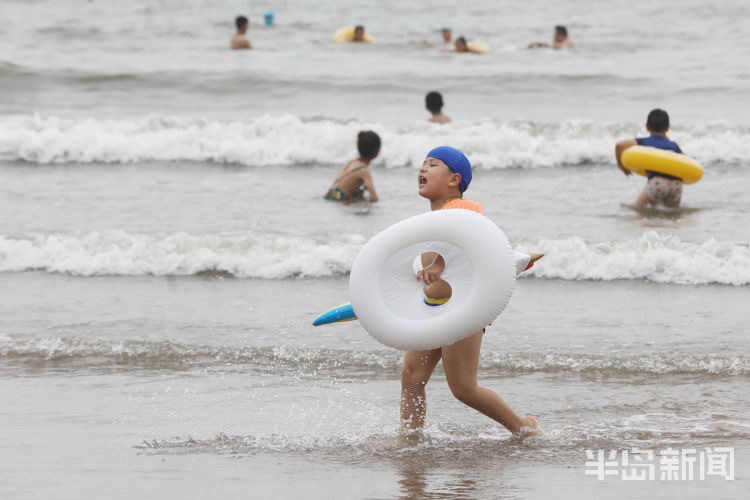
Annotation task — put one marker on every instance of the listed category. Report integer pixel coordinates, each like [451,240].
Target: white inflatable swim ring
[389,302]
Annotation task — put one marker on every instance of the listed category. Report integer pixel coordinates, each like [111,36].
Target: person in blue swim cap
[268,17]
[443,178]
[456,161]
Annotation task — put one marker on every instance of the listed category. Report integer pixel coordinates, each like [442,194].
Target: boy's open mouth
[422,180]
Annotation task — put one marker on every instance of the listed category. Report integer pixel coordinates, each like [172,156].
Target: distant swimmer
[434,104]
[268,18]
[352,35]
[661,188]
[447,37]
[560,40]
[239,41]
[359,34]
[463,47]
[355,177]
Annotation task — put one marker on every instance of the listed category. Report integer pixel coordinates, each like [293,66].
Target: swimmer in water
[359,34]
[239,41]
[447,37]
[355,177]
[560,40]
[661,188]
[461,46]
[434,104]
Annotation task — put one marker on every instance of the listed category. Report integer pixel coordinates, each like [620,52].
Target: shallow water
[153,378]
[164,248]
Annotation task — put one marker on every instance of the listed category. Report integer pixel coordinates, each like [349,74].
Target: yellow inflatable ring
[478,47]
[638,159]
[346,34]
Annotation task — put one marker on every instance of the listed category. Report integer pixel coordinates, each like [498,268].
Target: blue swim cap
[456,161]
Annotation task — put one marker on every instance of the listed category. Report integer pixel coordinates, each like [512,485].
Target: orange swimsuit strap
[474,206]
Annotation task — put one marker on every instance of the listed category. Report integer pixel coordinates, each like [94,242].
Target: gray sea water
[164,248]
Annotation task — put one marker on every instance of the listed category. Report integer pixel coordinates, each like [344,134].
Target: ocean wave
[118,253]
[314,362]
[652,256]
[290,140]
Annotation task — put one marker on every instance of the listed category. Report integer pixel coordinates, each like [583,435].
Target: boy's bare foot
[408,438]
[529,426]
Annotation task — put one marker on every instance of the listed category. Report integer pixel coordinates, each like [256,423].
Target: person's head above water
[561,33]
[368,144]
[447,36]
[359,34]
[456,161]
[461,44]
[657,121]
[433,102]
[242,23]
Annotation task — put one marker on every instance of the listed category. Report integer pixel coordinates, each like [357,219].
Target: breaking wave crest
[652,256]
[290,140]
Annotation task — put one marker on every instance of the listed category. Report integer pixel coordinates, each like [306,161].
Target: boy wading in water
[660,188]
[443,178]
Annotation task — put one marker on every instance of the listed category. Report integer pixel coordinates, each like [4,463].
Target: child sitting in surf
[660,188]
[443,178]
[355,176]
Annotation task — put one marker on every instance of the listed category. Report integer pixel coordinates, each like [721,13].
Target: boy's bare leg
[416,371]
[642,200]
[673,204]
[461,362]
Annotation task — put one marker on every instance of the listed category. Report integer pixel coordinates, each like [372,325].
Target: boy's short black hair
[658,120]
[434,101]
[359,27]
[240,21]
[562,30]
[461,39]
[368,144]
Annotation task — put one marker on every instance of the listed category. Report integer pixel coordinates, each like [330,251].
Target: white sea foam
[652,256]
[287,140]
[119,253]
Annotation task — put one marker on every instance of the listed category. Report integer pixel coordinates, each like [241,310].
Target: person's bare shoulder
[240,42]
[567,44]
[440,119]
[363,170]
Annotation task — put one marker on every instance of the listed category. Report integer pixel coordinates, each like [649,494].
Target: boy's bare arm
[434,265]
[619,148]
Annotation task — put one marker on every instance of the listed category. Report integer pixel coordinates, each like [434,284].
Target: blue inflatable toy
[338,314]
